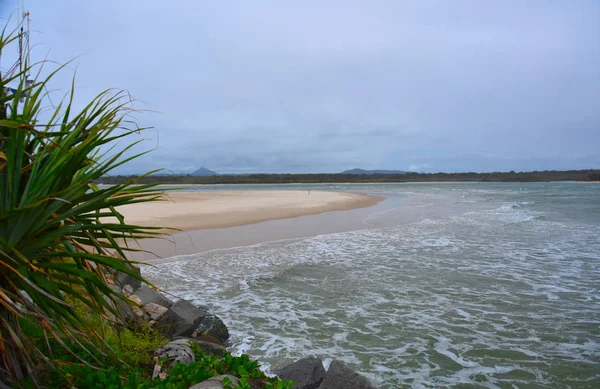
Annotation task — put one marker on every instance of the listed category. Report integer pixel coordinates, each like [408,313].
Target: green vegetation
[131,362]
[535,176]
[60,235]
[62,239]
[181,376]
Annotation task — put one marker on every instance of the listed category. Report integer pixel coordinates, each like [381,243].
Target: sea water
[483,286]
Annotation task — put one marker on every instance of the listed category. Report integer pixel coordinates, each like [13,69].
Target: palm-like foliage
[59,234]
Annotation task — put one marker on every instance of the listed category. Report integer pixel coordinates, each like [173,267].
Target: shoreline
[195,210]
[181,243]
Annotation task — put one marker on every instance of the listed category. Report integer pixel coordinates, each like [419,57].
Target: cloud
[314,86]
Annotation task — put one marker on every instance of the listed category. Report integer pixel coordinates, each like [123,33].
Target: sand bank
[218,209]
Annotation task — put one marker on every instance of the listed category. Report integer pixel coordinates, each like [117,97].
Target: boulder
[209,339]
[216,382]
[307,373]
[122,279]
[213,326]
[155,311]
[340,376]
[125,313]
[210,348]
[181,319]
[148,295]
[175,351]
[127,290]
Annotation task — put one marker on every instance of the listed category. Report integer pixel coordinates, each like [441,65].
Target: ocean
[470,285]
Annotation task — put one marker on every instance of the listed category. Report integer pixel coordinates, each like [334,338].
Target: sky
[325,86]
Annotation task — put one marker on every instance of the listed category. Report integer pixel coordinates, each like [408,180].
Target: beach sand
[189,211]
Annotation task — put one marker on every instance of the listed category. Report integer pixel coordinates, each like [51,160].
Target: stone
[127,290]
[135,299]
[138,312]
[155,311]
[209,348]
[122,279]
[125,313]
[148,295]
[307,373]
[340,376]
[216,382]
[212,325]
[181,319]
[175,351]
[209,339]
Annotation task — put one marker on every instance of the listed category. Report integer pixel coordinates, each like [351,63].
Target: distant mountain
[203,172]
[362,171]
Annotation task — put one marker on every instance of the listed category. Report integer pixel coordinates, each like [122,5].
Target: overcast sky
[328,85]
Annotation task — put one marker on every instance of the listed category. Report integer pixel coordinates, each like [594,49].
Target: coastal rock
[181,319]
[213,326]
[122,279]
[155,311]
[150,296]
[210,348]
[135,299]
[216,382]
[209,339]
[307,373]
[175,351]
[127,290]
[340,376]
[125,313]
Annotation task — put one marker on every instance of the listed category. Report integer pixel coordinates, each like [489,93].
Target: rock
[216,382]
[340,376]
[210,348]
[175,351]
[212,325]
[181,319]
[122,279]
[125,313]
[127,290]
[155,311]
[307,373]
[138,312]
[209,339]
[135,299]
[148,295]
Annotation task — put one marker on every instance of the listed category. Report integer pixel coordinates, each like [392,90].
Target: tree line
[326,178]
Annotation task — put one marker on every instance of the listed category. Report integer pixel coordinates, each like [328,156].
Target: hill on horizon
[362,171]
[202,172]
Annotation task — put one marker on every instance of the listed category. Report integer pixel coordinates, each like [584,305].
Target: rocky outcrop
[307,373]
[182,319]
[340,376]
[150,296]
[184,322]
[150,307]
[122,279]
[210,347]
[176,351]
[213,326]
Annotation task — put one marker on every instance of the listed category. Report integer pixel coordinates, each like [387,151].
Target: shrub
[59,233]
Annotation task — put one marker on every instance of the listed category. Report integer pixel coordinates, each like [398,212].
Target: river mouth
[476,285]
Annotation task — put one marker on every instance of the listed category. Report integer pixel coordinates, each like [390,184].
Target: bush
[59,233]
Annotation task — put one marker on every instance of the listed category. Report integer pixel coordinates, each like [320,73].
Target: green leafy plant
[180,376]
[60,235]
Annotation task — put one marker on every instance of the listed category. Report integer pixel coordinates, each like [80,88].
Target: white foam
[490,281]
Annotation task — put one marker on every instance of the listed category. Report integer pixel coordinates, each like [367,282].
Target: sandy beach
[219,209]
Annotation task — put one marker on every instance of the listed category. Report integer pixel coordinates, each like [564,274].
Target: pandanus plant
[60,235]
